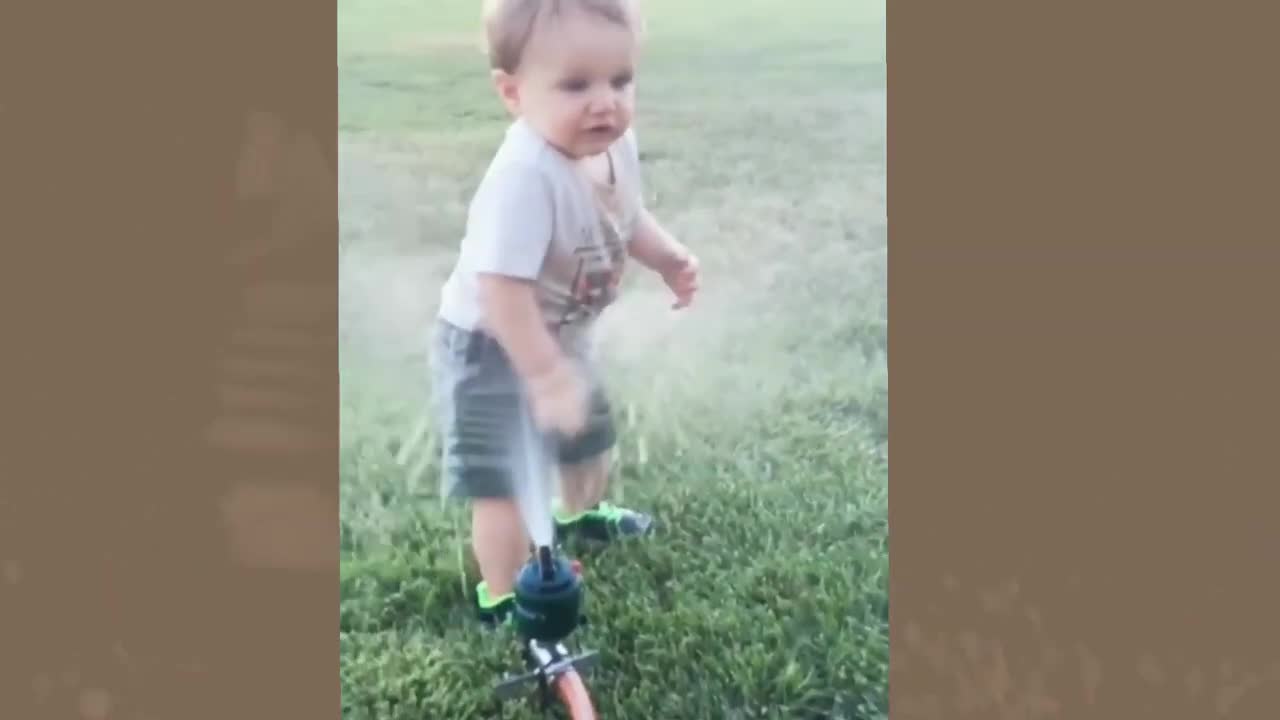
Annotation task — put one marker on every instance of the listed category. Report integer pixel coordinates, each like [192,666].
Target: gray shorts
[480,406]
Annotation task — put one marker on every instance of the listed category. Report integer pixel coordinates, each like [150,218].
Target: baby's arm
[654,247]
[510,234]
[513,318]
[651,245]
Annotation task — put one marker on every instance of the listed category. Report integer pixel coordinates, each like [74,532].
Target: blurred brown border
[1083,303]
[1084,354]
[168,507]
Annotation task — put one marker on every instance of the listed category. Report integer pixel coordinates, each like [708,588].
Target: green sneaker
[494,612]
[604,522]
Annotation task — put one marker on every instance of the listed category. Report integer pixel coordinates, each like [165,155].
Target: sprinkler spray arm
[546,564]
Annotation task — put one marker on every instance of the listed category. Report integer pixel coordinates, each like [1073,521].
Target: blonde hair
[509,24]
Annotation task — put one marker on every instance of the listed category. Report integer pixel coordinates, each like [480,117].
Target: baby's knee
[494,507]
[594,466]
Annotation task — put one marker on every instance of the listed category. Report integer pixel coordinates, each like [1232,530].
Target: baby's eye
[574,85]
[622,80]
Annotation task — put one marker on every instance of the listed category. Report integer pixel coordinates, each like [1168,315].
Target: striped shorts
[483,416]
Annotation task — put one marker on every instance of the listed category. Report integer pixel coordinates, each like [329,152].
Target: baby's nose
[603,101]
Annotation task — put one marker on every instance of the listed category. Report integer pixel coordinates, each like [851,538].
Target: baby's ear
[508,90]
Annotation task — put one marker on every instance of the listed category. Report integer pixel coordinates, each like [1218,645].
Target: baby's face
[575,84]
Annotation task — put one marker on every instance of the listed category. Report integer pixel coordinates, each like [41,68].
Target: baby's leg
[584,481]
[480,404]
[584,460]
[500,543]
[583,484]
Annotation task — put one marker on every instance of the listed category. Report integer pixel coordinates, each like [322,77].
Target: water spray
[548,590]
[531,474]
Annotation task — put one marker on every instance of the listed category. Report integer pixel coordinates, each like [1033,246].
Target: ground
[755,424]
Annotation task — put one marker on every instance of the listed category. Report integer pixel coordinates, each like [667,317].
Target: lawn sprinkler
[548,609]
[548,598]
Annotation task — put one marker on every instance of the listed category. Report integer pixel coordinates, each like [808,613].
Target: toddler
[555,218]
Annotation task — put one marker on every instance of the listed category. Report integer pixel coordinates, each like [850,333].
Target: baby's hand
[559,399]
[682,277]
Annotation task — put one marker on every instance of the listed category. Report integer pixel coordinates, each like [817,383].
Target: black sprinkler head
[548,598]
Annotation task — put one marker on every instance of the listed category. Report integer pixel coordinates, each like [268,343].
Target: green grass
[755,425]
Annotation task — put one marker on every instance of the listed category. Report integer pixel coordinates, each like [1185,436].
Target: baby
[549,230]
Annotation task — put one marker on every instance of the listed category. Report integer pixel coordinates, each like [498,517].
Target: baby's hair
[508,24]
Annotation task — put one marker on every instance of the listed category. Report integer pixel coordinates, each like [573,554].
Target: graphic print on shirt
[596,278]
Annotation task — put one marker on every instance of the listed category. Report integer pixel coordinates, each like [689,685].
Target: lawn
[755,424]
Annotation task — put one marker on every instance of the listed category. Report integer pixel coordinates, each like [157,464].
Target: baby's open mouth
[600,129]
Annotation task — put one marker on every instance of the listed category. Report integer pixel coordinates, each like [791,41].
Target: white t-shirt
[535,217]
